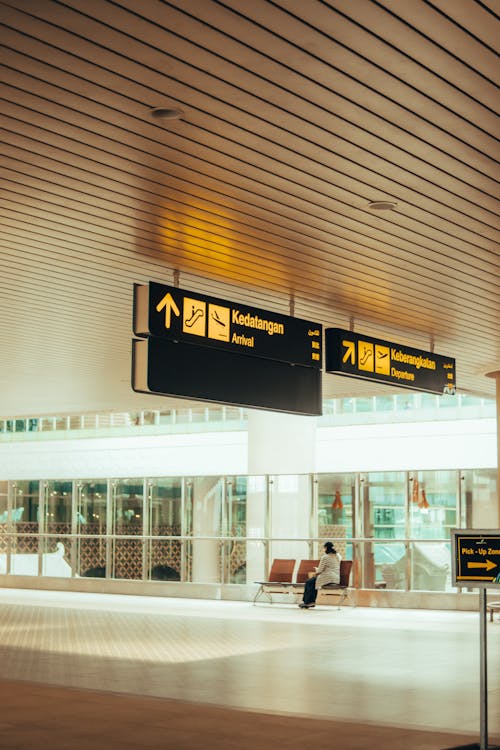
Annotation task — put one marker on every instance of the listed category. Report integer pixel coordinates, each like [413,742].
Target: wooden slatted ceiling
[296,116]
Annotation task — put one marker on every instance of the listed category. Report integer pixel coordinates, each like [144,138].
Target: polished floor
[96,671]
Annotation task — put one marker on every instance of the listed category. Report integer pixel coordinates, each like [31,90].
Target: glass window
[234,524]
[390,561]
[165,506]
[91,557]
[433,504]
[290,497]
[25,506]
[383,502]
[56,557]
[128,506]
[235,507]
[165,559]
[91,506]
[257,519]
[336,494]
[479,499]
[384,403]
[4,525]
[384,495]
[4,496]
[165,519]
[58,506]
[204,496]
[364,405]
[429,400]
[347,406]
[24,558]
[127,558]
[431,566]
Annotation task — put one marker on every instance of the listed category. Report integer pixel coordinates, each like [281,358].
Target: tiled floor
[389,670]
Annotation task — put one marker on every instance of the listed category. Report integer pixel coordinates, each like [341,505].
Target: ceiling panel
[295,116]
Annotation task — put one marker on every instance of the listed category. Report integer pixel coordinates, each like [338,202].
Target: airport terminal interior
[250,303]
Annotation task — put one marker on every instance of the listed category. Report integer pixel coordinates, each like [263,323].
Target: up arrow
[168,303]
[350,352]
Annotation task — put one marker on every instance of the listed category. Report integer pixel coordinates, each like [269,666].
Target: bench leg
[262,591]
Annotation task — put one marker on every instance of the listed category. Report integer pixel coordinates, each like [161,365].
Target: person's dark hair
[329,548]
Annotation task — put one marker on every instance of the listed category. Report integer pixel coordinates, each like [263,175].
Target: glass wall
[24,522]
[4,518]
[165,550]
[335,511]
[234,526]
[91,525]
[395,526]
[383,506]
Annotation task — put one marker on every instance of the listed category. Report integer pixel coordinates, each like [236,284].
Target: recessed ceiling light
[382,205]
[167,113]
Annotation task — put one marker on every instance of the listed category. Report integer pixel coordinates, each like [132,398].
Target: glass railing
[414,407]
[410,565]
[125,423]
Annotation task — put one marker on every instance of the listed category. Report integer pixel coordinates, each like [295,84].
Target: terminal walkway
[89,671]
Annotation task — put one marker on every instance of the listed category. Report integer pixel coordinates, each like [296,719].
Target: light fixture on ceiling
[382,205]
[167,113]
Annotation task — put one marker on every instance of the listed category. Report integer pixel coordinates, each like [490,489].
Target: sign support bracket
[483,671]
[476,539]
[483,678]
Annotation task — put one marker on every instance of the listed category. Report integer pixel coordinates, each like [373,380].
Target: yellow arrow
[350,353]
[488,565]
[168,303]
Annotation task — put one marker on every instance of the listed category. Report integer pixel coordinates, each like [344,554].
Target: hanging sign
[181,315]
[358,356]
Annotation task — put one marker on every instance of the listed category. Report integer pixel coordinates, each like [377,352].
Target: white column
[284,446]
[281,443]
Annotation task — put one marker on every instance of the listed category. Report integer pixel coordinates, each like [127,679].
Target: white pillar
[285,445]
[281,443]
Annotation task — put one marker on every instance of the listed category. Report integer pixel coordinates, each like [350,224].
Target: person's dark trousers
[310,592]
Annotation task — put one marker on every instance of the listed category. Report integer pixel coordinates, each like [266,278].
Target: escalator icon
[194,316]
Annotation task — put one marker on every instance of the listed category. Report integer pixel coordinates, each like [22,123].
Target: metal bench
[280,579]
[341,590]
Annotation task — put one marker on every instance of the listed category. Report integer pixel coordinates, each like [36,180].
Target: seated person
[328,571]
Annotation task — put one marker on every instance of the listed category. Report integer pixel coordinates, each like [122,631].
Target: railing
[418,564]
[415,407]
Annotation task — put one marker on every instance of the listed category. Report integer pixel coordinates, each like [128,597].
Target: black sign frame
[182,315]
[355,355]
[181,370]
[471,558]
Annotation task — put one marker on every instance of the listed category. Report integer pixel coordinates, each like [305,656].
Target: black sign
[358,356]
[476,557]
[179,315]
[172,368]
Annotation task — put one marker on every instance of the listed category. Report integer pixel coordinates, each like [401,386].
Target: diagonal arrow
[487,564]
[168,303]
[350,352]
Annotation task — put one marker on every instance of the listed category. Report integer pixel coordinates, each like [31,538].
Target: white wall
[444,445]
[160,455]
[463,444]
